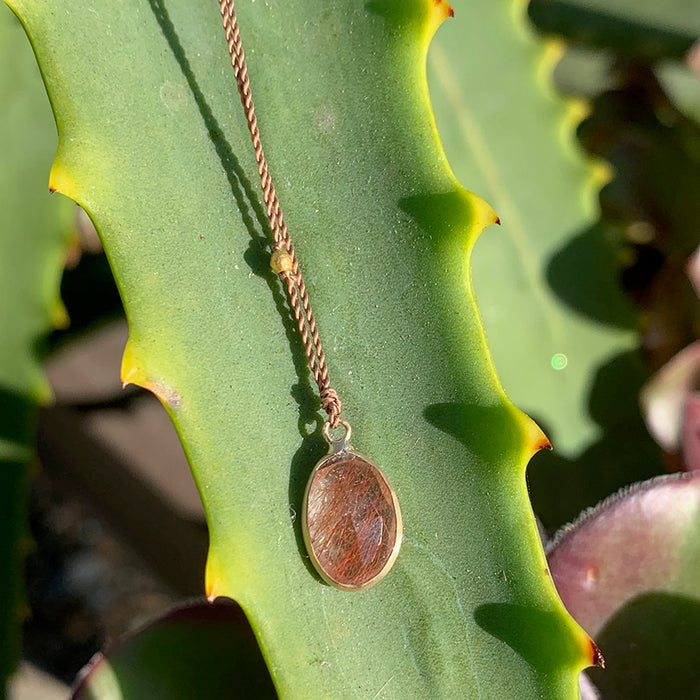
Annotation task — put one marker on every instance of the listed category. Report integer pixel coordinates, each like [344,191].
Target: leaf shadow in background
[258,259]
[595,27]
[585,274]
[650,647]
[561,488]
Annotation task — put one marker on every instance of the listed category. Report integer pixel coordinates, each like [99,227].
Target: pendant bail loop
[341,443]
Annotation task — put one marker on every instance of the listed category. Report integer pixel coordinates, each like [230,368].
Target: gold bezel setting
[342,454]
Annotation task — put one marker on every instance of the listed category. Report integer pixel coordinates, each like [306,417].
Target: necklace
[351,521]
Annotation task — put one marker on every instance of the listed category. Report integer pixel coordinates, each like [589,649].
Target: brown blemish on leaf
[134,372]
[167,395]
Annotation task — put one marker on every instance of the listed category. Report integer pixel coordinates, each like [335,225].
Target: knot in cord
[332,405]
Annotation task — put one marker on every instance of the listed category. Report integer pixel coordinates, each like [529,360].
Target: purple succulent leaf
[663,397]
[630,544]
[691,432]
[692,58]
[693,267]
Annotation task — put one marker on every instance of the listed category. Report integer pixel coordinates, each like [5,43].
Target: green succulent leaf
[194,651]
[154,145]
[32,244]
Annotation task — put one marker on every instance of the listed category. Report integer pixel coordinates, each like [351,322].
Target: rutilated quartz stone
[352,523]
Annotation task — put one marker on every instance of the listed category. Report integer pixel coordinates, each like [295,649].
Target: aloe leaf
[629,571]
[32,243]
[561,332]
[154,146]
[639,28]
[196,650]
[584,72]
[538,184]
[681,82]
[653,150]
[605,35]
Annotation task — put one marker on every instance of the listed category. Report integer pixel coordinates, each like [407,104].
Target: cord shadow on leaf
[257,258]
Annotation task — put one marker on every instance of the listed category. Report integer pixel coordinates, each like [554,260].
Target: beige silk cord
[284,260]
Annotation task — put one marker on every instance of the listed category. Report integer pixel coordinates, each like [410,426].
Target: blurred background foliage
[636,65]
[631,72]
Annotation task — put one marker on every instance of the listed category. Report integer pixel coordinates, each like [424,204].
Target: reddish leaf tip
[543,443]
[535,438]
[211,590]
[131,368]
[60,181]
[596,655]
[441,10]
[445,7]
[498,220]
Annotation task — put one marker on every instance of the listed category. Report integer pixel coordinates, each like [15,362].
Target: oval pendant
[351,519]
